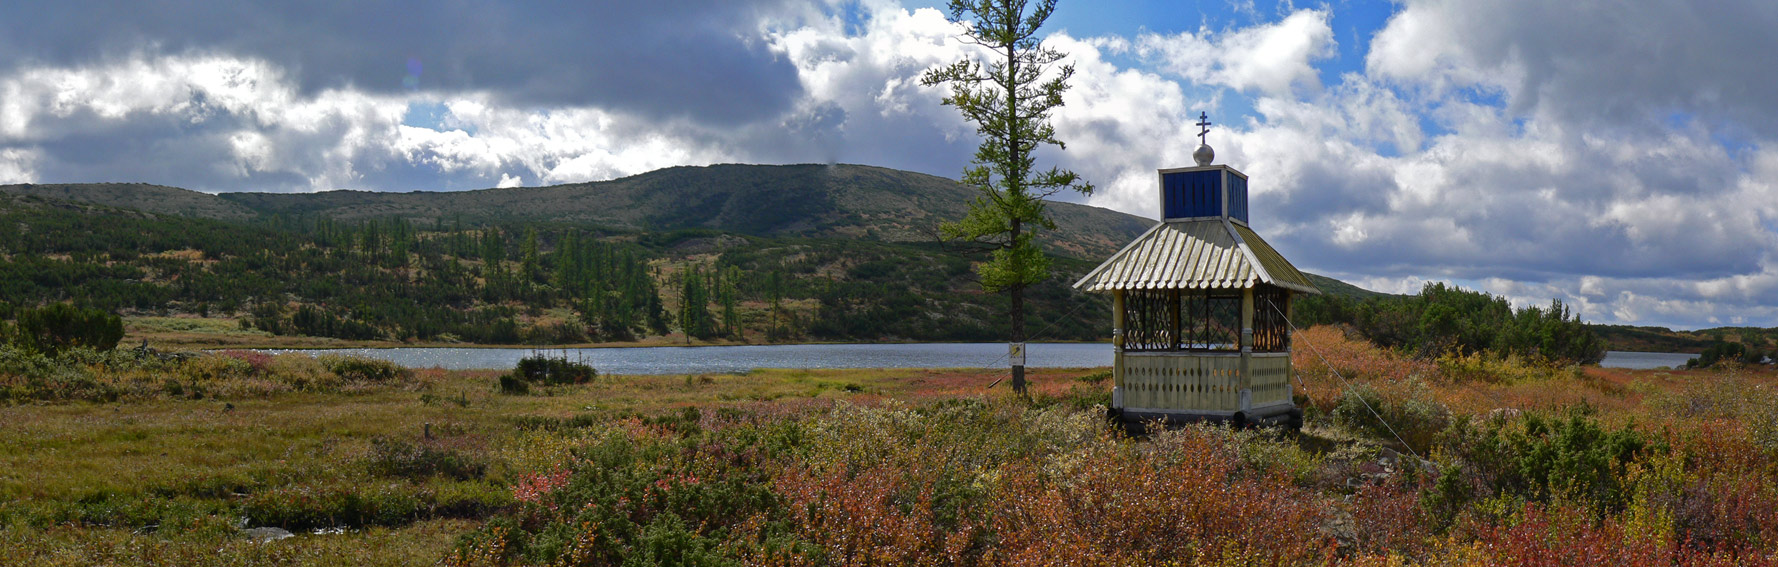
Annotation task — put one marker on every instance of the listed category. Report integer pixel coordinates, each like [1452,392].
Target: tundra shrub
[363,369]
[543,369]
[391,457]
[1539,459]
[60,326]
[1415,417]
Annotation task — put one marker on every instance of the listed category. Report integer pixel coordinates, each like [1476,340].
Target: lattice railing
[1271,332]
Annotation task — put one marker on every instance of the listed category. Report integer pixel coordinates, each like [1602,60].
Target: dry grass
[199,460]
[162,480]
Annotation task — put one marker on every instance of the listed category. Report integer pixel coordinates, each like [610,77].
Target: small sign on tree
[1016,353]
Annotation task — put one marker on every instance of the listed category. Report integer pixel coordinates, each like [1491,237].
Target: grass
[416,544]
[892,466]
[160,477]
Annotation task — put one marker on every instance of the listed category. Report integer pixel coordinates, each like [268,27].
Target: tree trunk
[1018,324]
[1016,184]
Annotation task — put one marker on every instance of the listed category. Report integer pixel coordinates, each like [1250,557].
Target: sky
[1621,157]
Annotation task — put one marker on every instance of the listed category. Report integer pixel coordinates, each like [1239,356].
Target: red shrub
[258,360]
[1182,502]
[872,518]
[1388,518]
[1568,537]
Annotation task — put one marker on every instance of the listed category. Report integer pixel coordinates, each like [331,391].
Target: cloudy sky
[1619,156]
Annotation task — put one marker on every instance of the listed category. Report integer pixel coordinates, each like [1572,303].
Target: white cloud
[1120,125]
[1273,59]
[17,165]
[333,139]
[1617,67]
[241,115]
[1508,194]
[1538,150]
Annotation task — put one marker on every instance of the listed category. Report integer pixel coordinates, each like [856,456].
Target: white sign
[1016,353]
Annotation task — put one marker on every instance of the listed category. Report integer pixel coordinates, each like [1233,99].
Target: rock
[262,535]
[1340,528]
[1503,414]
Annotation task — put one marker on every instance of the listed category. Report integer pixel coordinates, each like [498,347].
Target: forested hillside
[819,201]
[766,253]
[392,279]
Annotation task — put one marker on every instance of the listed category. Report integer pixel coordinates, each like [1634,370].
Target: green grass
[163,478]
[211,326]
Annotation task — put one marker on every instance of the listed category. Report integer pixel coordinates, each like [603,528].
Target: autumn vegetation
[136,457]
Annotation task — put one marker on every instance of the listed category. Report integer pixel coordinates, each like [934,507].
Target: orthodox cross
[1204,123]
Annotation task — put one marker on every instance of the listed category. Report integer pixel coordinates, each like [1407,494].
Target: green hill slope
[849,201]
[838,201]
[774,253]
[145,197]
[1337,288]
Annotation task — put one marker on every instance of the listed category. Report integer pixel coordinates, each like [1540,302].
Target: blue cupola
[1205,192]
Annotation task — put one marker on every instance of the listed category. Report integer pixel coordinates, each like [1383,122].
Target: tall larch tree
[1009,98]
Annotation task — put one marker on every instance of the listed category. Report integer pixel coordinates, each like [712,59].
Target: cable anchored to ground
[1349,387]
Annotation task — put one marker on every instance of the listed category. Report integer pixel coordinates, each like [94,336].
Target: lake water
[1644,360]
[719,359]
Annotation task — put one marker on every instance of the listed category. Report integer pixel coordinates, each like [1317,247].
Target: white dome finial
[1203,155]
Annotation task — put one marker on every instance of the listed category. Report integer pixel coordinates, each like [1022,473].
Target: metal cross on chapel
[1204,123]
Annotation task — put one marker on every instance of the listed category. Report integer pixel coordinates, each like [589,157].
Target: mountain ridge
[806,200]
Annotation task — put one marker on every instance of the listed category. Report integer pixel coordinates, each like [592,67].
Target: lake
[1644,360]
[724,359]
[721,359]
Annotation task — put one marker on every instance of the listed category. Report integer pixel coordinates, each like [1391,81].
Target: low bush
[27,375]
[1538,459]
[86,374]
[365,369]
[1495,369]
[392,457]
[350,504]
[544,369]
[60,326]
[216,368]
[1078,397]
[334,504]
[513,385]
[1762,426]
[1411,415]
[1727,352]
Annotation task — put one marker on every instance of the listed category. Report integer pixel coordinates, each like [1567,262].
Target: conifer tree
[694,305]
[1009,99]
[731,319]
[528,254]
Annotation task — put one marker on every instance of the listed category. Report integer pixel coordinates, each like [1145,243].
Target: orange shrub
[874,517]
[1562,536]
[1183,499]
[1389,519]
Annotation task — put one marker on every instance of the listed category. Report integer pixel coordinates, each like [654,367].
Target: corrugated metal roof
[1281,272]
[1202,254]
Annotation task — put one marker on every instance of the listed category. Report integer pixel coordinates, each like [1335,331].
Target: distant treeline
[1738,353]
[56,327]
[391,279]
[1450,320]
